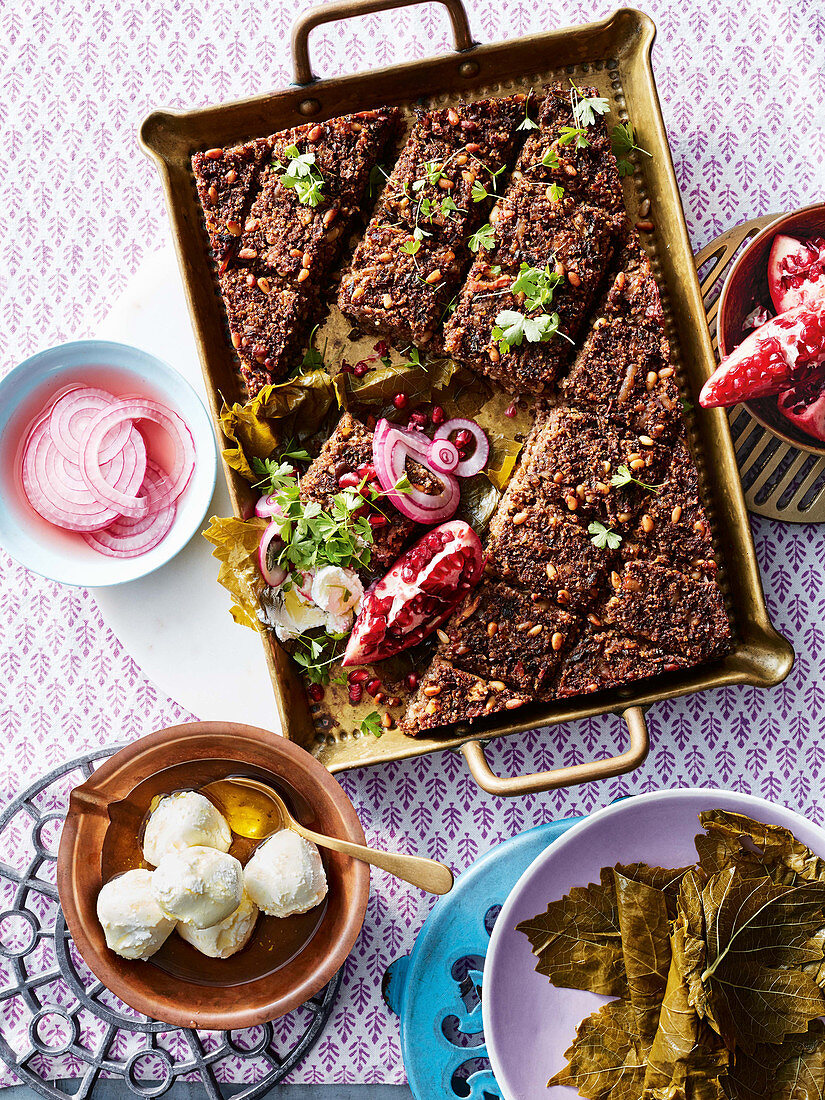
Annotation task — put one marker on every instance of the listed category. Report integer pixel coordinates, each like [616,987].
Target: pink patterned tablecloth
[742,88]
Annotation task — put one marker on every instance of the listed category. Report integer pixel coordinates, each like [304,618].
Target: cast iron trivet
[780,481]
[57,1021]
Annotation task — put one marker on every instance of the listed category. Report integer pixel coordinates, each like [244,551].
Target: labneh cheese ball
[183,820]
[199,886]
[133,923]
[226,938]
[285,875]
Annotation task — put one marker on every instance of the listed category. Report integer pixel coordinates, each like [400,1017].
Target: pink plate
[528,1023]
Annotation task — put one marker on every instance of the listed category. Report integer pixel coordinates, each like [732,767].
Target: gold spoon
[256,811]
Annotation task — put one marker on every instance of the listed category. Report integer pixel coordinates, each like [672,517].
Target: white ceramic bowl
[24,392]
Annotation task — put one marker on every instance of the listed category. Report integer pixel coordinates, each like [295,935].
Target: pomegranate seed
[346,368]
[382,348]
[358,675]
[356,693]
[412,681]
[378,521]
[367,470]
[463,437]
[418,420]
[373,687]
[362,511]
[510,410]
[360,369]
[349,481]
[437,415]
[315,692]
[401,401]
[407,573]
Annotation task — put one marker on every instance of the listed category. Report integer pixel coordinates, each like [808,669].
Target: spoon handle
[426,874]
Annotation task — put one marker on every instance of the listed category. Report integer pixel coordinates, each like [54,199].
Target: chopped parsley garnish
[372,724]
[556,192]
[301,176]
[411,247]
[604,538]
[585,108]
[623,476]
[623,139]
[485,238]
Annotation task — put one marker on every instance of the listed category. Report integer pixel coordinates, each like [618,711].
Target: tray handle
[346,9]
[631,758]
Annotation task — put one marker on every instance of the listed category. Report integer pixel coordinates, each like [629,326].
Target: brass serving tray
[613,54]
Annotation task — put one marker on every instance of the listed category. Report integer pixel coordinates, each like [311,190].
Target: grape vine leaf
[746,942]
[757,848]
[793,1071]
[645,931]
[684,1047]
[606,1060]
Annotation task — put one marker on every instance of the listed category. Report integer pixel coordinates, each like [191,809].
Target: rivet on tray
[309,107]
[468,68]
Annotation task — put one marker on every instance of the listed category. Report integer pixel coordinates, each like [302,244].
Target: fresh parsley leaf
[571,134]
[274,475]
[512,328]
[479,192]
[411,247]
[372,724]
[301,176]
[604,538]
[585,108]
[537,284]
[485,238]
[556,192]
[623,141]
[623,476]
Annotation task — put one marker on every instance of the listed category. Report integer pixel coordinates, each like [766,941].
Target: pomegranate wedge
[796,271]
[418,594]
[777,356]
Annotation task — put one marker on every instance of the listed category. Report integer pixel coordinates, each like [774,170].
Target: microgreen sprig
[300,175]
[585,108]
[623,476]
[484,237]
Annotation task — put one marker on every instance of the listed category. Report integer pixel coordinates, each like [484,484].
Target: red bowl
[746,286]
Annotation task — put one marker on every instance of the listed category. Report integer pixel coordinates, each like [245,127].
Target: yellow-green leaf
[236,544]
[293,409]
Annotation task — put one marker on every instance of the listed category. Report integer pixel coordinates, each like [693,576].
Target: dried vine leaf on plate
[758,849]
[684,1047]
[236,544]
[293,409]
[793,1071]
[607,1059]
[578,940]
[375,391]
[645,932]
[746,942]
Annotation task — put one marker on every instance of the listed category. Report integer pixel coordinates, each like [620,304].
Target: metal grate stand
[780,481]
[59,1023]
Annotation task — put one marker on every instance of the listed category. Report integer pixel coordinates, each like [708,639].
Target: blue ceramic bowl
[25,392]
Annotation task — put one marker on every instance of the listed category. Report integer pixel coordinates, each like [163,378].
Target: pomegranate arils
[358,676]
[401,401]
[315,692]
[412,681]
[437,415]
[356,693]
[349,480]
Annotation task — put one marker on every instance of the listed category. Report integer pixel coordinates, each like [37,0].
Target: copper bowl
[102,824]
[746,286]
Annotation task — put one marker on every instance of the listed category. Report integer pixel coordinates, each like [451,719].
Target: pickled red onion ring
[272,574]
[70,418]
[131,409]
[391,447]
[478,459]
